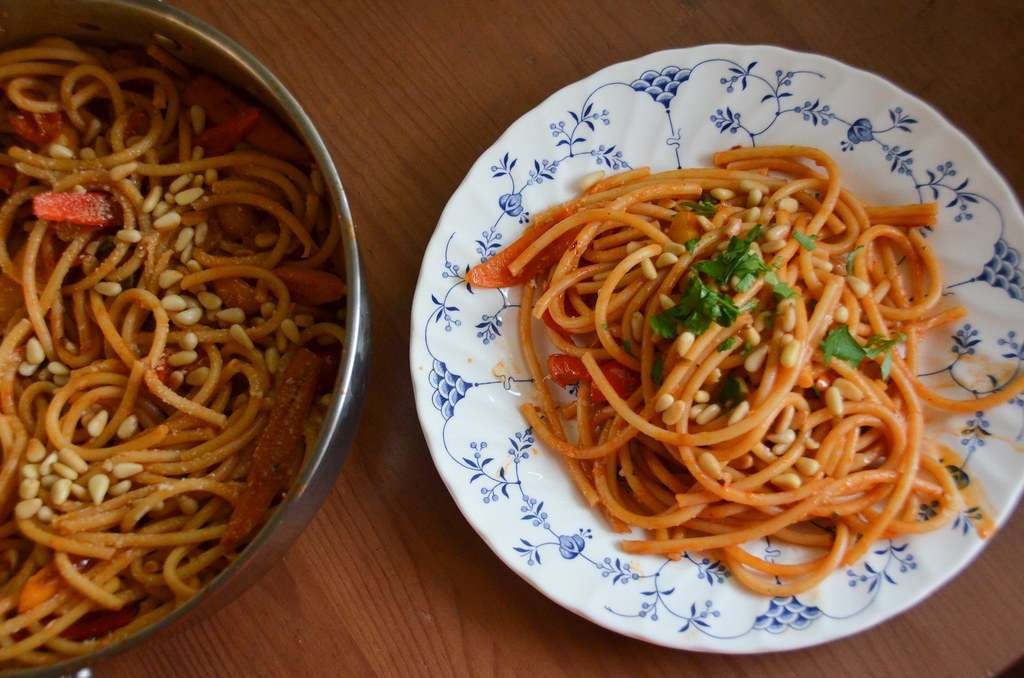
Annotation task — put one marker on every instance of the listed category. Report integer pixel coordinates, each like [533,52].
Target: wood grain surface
[389,579]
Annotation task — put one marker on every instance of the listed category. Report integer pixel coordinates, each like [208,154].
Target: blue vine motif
[585,137]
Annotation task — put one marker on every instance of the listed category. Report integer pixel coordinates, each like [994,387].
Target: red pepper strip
[561,331]
[279,449]
[568,369]
[223,138]
[85,209]
[222,104]
[236,292]
[308,286]
[99,623]
[495,272]
[7,177]
[45,583]
[38,128]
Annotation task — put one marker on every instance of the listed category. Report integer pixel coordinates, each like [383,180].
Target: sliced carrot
[84,209]
[237,292]
[311,287]
[279,448]
[223,137]
[221,104]
[38,128]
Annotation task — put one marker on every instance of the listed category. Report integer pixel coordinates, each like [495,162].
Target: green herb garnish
[627,346]
[839,343]
[657,369]
[727,344]
[736,260]
[781,289]
[697,309]
[691,245]
[806,241]
[851,257]
[705,208]
[731,392]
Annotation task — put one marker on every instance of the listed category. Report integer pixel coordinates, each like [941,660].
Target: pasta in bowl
[174,305]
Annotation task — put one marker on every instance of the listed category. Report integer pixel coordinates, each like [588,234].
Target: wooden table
[389,579]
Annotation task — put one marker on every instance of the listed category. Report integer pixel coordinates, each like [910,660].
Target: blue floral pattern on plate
[674,109]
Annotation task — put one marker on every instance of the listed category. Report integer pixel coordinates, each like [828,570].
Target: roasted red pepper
[99,623]
[7,177]
[84,209]
[223,138]
[309,286]
[38,128]
[237,292]
[568,369]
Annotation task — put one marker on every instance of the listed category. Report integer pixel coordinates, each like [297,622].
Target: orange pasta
[165,292]
[746,326]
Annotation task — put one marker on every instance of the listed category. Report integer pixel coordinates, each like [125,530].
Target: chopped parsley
[627,346]
[657,370]
[705,208]
[736,260]
[697,309]
[731,392]
[727,344]
[781,289]
[839,343]
[806,241]
[851,257]
[691,245]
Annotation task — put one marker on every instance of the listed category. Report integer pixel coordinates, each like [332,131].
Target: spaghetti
[743,340]
[171,314]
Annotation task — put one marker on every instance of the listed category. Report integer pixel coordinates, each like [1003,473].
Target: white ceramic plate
[675,108]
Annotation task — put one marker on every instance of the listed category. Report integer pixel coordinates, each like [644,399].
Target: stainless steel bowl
[137,22]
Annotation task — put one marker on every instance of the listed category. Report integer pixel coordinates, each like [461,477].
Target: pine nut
[162,207]
[46,465]
[710,465]
[684,342]
[187,504]
[197,116]
[761,451]
[858,286]
[674,413]
[188,196]
[267,309]
[842,314]
[197,154]
[60,379]
[61,151]
[128,427]
[755,360]
[173,303]
[121,171]
[35,452]
[705,223]
[65,471]
[167,221]
[648,270]
[848,389]
[184,239]
[633,246]
[722,193]
[773,246]
[233,315]
[784,420]
[179,183]
[152,198]
[189,341]
[696,409]
[778,232]
[715,376]
[834,401]
[665,301]
[266,239]
[701,396]
[708,414]
[108,288]
[182,358]
[198,376]
[810,443]
[663,402]
[787,481]
[238,333]
[272,358]
[168,278]
[754,197]
[27,369]
[290,330]
[57,367]
[790,354]
[788,323]
[823,265]
[34,353]
[790,205]
[27,508]
[190,316]
[98,486]
[751,214]
[28,488]
[738,412]
[732,227]
[129,235]
[79,492]
[807,466]
[665,259]
[60,491]
[209,300]
[119,488]
[71,458]
[636,325]
[193,265]
[126,469]
[676,249]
